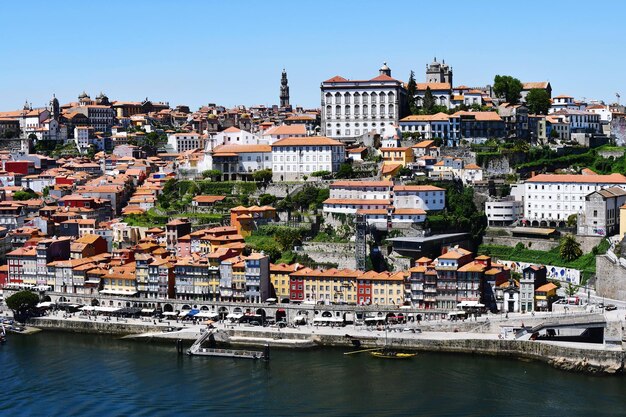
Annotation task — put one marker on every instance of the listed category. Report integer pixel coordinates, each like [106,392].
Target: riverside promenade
[489,335]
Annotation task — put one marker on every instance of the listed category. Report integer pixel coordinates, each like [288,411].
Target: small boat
[390,354]
[3,335]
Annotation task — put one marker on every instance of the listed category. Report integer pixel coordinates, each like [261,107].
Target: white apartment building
[82,134]
[239,160]
[351,108]
[293,158]
[441,91]
[364,190]
[425,197]
[564,102]
[182,142]
[430,126]
[579,121]
[550,199]
[504,212]
[233,136]
[352,205]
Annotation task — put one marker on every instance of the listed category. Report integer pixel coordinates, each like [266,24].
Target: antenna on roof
[618,97]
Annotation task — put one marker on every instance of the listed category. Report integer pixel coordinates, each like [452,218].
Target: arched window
[392,97]
[329,98]
[337,110]
[365,109]
[365,98]
[391,110]
[329,111]
[337,98]
[346,98]
[357,110]
[381,110]
[347,110]
[357,98]
[383,97]
[374,97]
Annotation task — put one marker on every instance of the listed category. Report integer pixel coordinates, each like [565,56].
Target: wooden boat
[389,354]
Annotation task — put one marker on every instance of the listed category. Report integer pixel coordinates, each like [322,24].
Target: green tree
[572,220]
[213,174]
[22,195]
[569,248]
[428,102]
[264,176]
[23,304]
[154,139]
[321,174]
[267,199]
[507,87]
[345,171]
[287,237]
[571,289]
[538,101]
[411,90]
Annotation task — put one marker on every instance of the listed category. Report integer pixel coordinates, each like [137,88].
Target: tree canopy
[569,248]
[263,176]
[538,101]
[508,88]
[411,89]
[22,195]
[22,303]
[428,103]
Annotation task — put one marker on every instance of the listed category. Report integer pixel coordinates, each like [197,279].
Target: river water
[62,374]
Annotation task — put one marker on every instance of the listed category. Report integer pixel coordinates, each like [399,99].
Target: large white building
[237,161]
[504,212]
[293,158]
[425,197]
[233,136]
[550,199]
[351,108]
[182,142]
[364,190]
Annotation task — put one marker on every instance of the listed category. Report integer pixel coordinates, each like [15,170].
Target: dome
[384,67]
[83,95]
[101,96]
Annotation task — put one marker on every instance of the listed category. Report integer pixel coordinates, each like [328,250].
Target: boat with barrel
[392,354]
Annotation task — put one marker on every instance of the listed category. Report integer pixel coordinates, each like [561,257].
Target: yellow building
[279,278]
[120,281]
[389,171]
[388,289]
[544,296]
[402,156]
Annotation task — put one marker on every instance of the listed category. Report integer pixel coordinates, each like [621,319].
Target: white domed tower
[385,70]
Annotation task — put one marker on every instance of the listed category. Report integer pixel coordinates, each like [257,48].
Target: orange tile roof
[237,149]
[439,117]
[433,86]
[424,144]
[359,184]
[583,179]
[297,129]
[417,188]
[308,141]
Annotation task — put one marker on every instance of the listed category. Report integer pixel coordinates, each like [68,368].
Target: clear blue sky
[232,52]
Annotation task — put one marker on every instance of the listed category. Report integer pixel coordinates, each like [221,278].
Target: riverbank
[581,357]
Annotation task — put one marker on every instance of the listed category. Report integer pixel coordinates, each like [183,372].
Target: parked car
[610,307]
